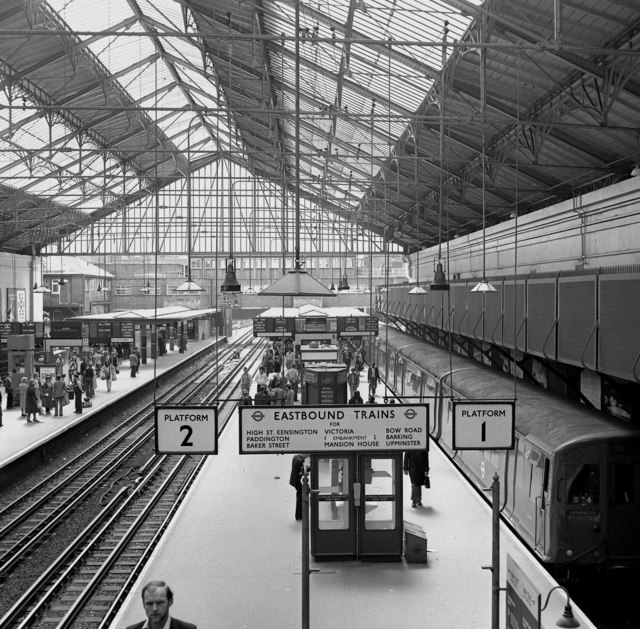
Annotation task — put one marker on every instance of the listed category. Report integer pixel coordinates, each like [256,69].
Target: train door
[356,506]
[624,509]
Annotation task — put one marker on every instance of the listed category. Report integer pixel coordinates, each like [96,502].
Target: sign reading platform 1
[290,429]
[483,425]
[186,430]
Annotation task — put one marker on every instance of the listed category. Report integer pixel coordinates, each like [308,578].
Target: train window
[584,485]
[430,385]
[624,490]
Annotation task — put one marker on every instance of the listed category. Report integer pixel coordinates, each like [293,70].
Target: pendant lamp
[297,282]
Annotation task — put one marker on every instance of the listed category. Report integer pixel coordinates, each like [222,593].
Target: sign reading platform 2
[353,428]
[186,430]
[483,425]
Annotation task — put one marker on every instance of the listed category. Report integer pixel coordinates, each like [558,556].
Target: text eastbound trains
[305,415]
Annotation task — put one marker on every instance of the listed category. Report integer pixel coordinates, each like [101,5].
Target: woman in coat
[22,390]
[416,465]
[46,395]
[32,405]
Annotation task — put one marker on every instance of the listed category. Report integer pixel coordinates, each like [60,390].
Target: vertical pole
[305,548]
[495,558]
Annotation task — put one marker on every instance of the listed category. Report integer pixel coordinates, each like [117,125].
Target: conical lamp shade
[188,287]
[297,283]
[483,287]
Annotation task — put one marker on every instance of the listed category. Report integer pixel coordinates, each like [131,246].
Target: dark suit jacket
[175,624]
[297,464]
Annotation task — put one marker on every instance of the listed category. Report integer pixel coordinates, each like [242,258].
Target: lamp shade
[298,283]
[189,287]
[40,289]
[567,619]
[343,283]
[230,284]
[439,279]
[418,290]
[483,287]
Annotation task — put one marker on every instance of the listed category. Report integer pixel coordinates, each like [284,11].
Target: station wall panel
[475,317]
[514,322]
[493,314]
[576,320]
[618,332]
[460,320]
[541,317]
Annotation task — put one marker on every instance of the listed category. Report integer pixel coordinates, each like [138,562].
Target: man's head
[157,598]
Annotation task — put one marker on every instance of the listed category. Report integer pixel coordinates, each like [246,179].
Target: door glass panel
[333,494]
[379,480]
[624,491]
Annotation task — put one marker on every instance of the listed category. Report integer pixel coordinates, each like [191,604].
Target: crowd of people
[41,393]
[277,380]
[279,376]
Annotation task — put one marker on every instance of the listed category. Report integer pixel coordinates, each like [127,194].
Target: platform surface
[233,557]
[17,437]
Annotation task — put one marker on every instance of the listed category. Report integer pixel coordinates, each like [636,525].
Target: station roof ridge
[169,313]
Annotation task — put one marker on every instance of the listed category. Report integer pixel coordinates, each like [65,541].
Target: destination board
[352,428]
[521,599]
[66,329]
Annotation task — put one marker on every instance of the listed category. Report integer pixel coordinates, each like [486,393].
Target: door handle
[357,491]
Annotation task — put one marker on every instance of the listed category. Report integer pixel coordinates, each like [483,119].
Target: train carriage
[570,485]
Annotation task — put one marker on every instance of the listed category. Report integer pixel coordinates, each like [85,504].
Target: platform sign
[186,430]
[483,425]
[521,599]
[352,428]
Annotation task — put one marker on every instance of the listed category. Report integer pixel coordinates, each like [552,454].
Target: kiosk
[20,357]
[325,383]
[356,506]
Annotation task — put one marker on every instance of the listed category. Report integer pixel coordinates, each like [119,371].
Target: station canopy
[125,123]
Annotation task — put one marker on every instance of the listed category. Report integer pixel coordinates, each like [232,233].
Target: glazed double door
[356,506]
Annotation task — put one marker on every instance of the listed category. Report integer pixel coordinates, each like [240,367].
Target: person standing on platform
[157,598]
[46,395]
[8,389]
[22,388]
[262,379]
[353,380]
[109,374]
[288,395]
[373,376]
[59,393]
[31,402]
[246,380]
[133,363]
[295,480]
[245,399]
[87,380]
[73,368]
[77,394]
[292,375]
[416,465]
[356,398]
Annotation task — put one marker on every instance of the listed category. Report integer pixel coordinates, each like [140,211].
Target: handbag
[103,374]
[70,393]
[114,371]
[427,481]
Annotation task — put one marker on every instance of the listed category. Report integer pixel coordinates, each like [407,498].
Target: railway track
[118,500]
